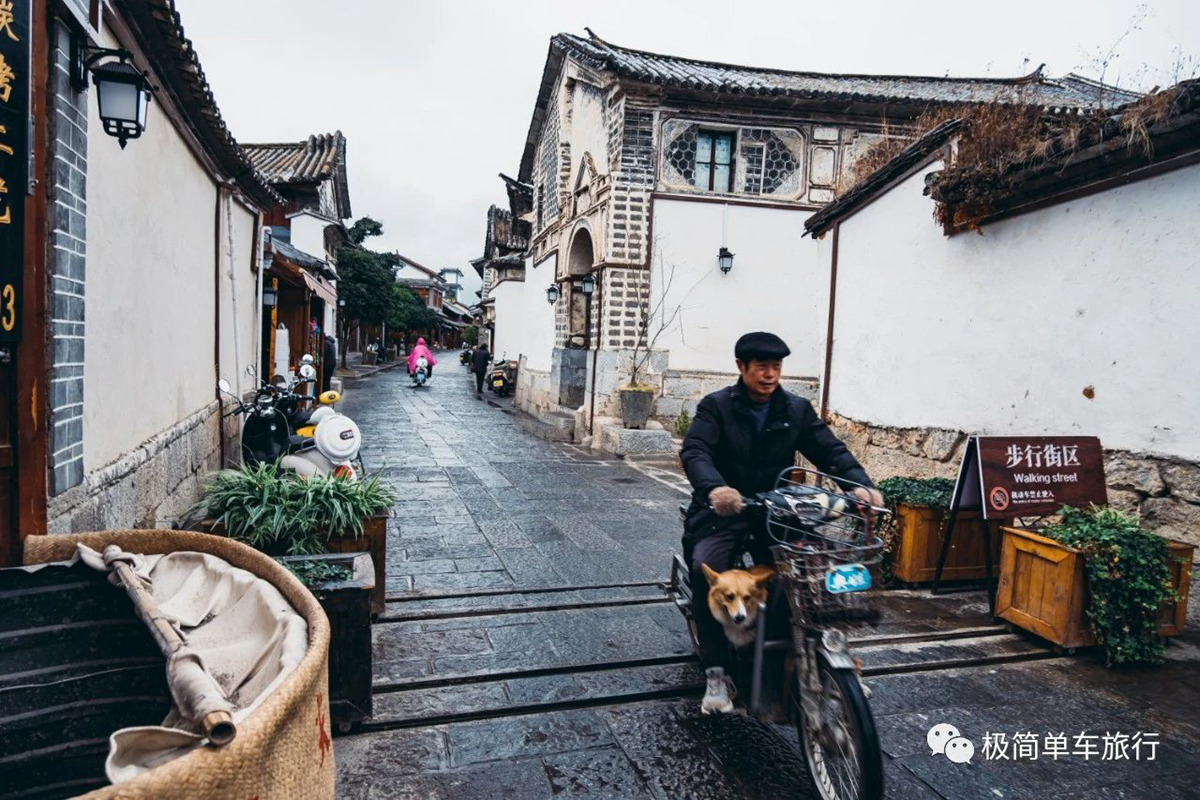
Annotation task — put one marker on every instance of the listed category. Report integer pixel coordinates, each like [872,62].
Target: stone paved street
[528,649]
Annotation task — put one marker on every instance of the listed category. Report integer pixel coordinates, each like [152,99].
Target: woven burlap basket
[284,748]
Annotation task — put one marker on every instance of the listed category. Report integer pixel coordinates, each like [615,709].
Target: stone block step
[470,604]
[890,657]
[553,427]
[431,705]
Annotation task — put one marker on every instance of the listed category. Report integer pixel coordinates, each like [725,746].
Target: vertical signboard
[14,159]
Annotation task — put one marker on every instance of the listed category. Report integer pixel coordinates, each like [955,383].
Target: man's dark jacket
[480,359]
[722,448]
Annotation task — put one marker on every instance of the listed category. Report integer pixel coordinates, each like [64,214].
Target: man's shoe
[718,694]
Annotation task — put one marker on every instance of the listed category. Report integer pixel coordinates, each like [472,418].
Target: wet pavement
[528,649]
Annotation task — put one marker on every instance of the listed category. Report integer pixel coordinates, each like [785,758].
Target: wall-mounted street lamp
[122,91]
[552,294]
[269,297]
[725,259]
[587,285]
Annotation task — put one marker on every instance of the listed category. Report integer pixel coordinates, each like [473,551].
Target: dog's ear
[762,574]
[709,574]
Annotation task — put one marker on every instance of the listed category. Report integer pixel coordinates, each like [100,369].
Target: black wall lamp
[122,91]
[552,294]
[269,297]
[725,259]
[587,285]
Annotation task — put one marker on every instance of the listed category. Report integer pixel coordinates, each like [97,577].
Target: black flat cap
[761,345]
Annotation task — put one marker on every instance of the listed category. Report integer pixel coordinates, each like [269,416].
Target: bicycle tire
[857,713]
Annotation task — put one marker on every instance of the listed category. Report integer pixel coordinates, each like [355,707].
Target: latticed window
[757,161]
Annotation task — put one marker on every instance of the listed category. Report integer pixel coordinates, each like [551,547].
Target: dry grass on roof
[1000,136]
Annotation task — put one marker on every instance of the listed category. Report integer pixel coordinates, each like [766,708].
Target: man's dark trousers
[479,381]
[719,550]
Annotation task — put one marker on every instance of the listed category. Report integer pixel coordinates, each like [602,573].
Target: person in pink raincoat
[417,352]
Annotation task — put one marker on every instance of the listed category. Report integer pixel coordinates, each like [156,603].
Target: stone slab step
[915,656]
[522,695]
[424,608]
[553,427]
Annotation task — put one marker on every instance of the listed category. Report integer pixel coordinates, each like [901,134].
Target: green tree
[363,228]
[471,335]
[366,277]
[408,312]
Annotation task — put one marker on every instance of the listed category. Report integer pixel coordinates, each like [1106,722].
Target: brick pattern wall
[632,183]
[624,291]
[546,169]
[67,190]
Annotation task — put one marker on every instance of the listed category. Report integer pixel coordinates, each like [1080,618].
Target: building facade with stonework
[306,231]
[1056,299]
[140,278]
[643,168]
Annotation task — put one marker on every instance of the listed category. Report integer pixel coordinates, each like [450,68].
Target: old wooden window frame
[713,135]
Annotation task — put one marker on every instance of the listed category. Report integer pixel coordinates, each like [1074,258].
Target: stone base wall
[683,390]
[1164,491]
[535,393]
[153,486]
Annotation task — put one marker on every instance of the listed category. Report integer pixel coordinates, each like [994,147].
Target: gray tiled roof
[1071,91]
[320,157]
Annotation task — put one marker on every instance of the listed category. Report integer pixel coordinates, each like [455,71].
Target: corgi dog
[734,597]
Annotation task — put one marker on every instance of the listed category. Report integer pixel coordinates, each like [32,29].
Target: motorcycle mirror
[307,371]
[306,359]
[224,386]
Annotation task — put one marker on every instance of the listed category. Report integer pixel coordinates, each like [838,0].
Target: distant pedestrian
[480,359]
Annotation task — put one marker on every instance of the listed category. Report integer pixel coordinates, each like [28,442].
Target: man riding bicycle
[742,438]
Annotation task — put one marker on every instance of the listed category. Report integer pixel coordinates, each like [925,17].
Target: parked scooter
[326,443]
[265,433]
[502,380]
[464,358]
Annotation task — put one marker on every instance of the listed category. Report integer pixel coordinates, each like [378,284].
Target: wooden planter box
[373,541]
[348,606]
[918,544]
[1043,589]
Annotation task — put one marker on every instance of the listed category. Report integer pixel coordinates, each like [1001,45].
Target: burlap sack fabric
[284,749]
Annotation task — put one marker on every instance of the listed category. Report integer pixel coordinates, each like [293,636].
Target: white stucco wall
[240,321]
[150,286]
[537,316]
[587,133]
[778,283]
[308,234]
[510,301]
[1001,332]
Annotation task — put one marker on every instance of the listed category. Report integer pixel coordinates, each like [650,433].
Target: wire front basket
[825,549]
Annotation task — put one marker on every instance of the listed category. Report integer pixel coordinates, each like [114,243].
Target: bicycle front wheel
[840,744]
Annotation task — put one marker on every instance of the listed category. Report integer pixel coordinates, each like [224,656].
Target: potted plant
[1096,577]
[342,584]
[914,534]
[284,514]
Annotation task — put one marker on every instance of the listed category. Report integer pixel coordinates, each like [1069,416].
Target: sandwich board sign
[1023,476]
[1030,476]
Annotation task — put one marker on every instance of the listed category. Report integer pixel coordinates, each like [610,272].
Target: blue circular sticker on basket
[847,578]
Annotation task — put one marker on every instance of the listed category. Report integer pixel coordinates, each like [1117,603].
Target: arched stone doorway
[579,263]
[572,357]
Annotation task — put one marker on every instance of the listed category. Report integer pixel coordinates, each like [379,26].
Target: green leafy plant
[682,423]
[1128,577]
[934,493]
[315,573]
[288,514]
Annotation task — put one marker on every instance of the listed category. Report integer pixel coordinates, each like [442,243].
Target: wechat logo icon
[945,739]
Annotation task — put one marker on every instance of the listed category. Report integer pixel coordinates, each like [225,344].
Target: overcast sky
[435,97]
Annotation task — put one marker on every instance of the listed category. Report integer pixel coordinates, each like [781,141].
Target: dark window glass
[714,161]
